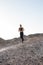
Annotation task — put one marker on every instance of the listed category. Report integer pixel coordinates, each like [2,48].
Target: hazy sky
[29,13]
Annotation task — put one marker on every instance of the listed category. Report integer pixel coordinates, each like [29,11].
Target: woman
[21,29]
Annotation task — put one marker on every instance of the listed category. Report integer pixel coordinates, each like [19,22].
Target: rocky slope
[13,52]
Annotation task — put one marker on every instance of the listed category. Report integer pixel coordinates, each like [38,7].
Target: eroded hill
[28,53]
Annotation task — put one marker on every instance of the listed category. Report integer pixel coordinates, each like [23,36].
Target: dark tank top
[21,29]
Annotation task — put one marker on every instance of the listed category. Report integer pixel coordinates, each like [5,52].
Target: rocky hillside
[30,52]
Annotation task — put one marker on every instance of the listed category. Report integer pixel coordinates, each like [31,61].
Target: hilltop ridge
[14,41]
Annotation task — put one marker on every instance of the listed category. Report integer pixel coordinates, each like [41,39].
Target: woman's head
[20,25]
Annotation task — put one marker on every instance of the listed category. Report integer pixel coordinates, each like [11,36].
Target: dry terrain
[14,52]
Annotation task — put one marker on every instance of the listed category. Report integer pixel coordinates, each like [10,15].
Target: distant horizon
[29,13]
[24,35]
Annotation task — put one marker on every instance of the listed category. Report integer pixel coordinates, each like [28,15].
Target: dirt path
[13,47]
[10,47]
